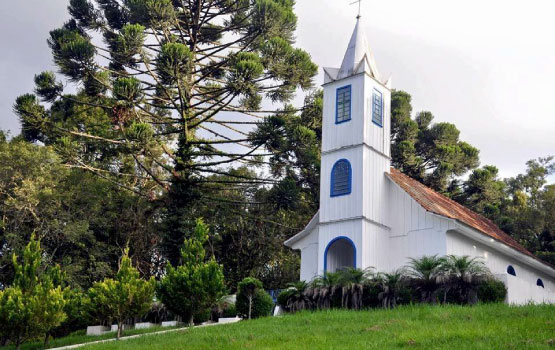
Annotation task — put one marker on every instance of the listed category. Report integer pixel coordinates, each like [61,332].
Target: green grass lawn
[414,327]
[80,337]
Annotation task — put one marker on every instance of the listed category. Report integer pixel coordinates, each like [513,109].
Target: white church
[371,215]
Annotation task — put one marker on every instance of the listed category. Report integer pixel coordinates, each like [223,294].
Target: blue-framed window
[341,176]
[342,239]
[511,270]
[343,105]
[377,108]
[539,283]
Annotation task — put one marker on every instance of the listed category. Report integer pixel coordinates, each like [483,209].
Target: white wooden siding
[521,288]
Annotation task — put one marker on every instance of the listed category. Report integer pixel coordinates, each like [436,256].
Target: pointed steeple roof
[358,58]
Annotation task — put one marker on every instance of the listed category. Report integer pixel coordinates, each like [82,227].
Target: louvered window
[341,178]
[377,108]
[343,108]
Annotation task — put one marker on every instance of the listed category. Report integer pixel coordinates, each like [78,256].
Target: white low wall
[521,292]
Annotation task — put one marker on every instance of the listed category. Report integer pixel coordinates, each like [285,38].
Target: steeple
[358,58]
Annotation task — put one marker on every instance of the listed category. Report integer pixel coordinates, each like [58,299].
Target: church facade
[371,215]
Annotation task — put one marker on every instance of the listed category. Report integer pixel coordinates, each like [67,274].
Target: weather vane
[359,2]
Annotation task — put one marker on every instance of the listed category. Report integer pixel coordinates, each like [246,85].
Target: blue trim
[379,93]
[332,182]
[511,270]
[337,105]
[539,283]
[332,242]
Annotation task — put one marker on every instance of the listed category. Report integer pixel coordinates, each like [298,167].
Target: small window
[539,283]
[377,108]
[341,178]
[343,111]
[511,270]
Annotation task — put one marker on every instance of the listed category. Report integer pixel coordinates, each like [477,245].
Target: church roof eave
[308,228]
[440,205]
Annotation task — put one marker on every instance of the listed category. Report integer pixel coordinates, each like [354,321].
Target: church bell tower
[355,157]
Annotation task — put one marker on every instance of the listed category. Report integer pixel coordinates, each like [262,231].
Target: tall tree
[82,220]
[430,153]
[528,210]
[165,89]
[483,191]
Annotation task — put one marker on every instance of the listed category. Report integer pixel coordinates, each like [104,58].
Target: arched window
[340,253]
[539,283]
[341,178]
[511,270]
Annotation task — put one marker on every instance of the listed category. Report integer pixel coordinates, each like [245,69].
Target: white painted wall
[342,207]
[336,136]
[522,288]
[414,231]
[351,229]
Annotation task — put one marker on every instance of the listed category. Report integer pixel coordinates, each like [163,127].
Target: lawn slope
[414,327]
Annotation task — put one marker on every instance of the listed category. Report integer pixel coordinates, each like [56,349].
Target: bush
[284,296]
[370,296]
[492,291]
[250,289]
[229,311]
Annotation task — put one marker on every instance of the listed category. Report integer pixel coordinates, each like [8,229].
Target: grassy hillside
[414,327]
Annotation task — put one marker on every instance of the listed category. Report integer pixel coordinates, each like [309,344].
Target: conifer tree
[196,285]
[124,297]
[168,92]
[32,306]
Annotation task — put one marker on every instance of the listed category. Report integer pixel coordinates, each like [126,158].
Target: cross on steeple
[359,2]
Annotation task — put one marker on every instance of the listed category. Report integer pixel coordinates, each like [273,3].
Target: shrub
[194,287]
[127,296]
[230,311]
[370,296]
[284,296]
[252,300]
[33,306]
[492,291]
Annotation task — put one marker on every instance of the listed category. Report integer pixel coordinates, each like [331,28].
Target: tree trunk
[46,340]
[250,306]
[120,326]
[17,343]
[191,321]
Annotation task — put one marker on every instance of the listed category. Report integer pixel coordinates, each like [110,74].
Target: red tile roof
[441,205]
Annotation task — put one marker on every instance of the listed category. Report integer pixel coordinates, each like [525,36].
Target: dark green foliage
[262,305]
[47,87]
[127,296]
[192,288]
[252,300]
[429,153]
[85,219]
[426,275]
[284,296]
[158,101]
[483,191]
[33,304]
[492,291]
[230,311]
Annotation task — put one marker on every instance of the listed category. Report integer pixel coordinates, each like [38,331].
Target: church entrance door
[340,253]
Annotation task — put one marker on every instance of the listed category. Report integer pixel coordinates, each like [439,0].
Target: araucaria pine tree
[125,297]
[167,94]
[196,285]
[32,305]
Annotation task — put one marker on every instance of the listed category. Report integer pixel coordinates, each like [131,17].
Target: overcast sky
[486,66]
